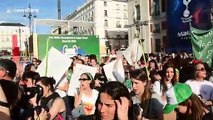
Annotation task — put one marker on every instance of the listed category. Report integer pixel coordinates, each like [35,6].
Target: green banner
[69,45]
[202,45]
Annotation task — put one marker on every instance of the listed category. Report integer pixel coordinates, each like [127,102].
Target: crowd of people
[159,87]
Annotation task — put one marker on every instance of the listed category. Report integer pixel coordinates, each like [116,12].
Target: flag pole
[142,48]
[145,62]
[190,28]
[47,49]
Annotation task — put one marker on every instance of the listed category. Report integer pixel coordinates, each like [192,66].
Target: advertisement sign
[180,15]
[70,45]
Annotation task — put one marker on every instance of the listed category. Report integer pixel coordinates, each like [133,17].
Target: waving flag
[202,45]
[134,52]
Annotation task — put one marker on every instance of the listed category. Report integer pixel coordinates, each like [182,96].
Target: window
[156,28]
[118,24]
[157,45]
[164,25]
[106,23]
[163,4]
[124,7]
[105,12]
[125,23]
[85,17]
[138,14]
[105,3]
[118,16]
[118,7]
[155,10]
[125,15]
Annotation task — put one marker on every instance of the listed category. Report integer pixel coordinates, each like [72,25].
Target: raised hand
[122,108]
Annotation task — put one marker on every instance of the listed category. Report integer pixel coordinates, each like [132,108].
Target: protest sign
[134,52]
[54,65]
[114,71]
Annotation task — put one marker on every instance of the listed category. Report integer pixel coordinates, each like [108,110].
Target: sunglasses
[201,69]
[83,79]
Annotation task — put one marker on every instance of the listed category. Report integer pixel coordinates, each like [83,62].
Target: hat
[175,95]
[196,62]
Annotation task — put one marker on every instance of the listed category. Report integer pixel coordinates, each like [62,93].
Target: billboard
[69,45]
[180,15]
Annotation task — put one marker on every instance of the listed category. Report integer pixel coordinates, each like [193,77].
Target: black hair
[31,74]
[48,81]
[28,67]
[10,66]
[116,90]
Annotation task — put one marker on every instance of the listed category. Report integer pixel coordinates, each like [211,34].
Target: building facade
[13,35]
[147,21]
[110,18]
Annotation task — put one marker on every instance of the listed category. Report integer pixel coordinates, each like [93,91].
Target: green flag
[202,45]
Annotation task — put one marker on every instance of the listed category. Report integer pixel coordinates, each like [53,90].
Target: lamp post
[29,15]
[59,15]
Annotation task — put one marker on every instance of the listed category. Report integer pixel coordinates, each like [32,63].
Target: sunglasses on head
[84,79]
[201,69]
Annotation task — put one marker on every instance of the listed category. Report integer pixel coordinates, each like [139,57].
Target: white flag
[55,65]
[134,52]
[114,71]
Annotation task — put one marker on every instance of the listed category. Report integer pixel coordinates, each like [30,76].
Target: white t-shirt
[203,88]
[89,102]
[157,87]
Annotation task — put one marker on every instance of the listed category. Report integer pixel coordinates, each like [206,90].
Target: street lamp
[30,15]
[59,15]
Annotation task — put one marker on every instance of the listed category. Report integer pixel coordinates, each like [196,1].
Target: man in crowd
[10,89]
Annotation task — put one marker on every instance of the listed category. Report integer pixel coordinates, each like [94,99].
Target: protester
[187,105]
[150,103]
[153,65]
[35,62]
[200,86]
[168,76]
[113,103]
[99,79]
[24,108]
[4,111]
[29,79]
[50,99]
[10,89]
[85,97]
[157,85]
[29,67]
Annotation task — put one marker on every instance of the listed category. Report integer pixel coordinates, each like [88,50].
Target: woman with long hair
[153,65]
[85,97]
[113,103]
[199,85]
[150,103]
[187,105]
[168,76]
